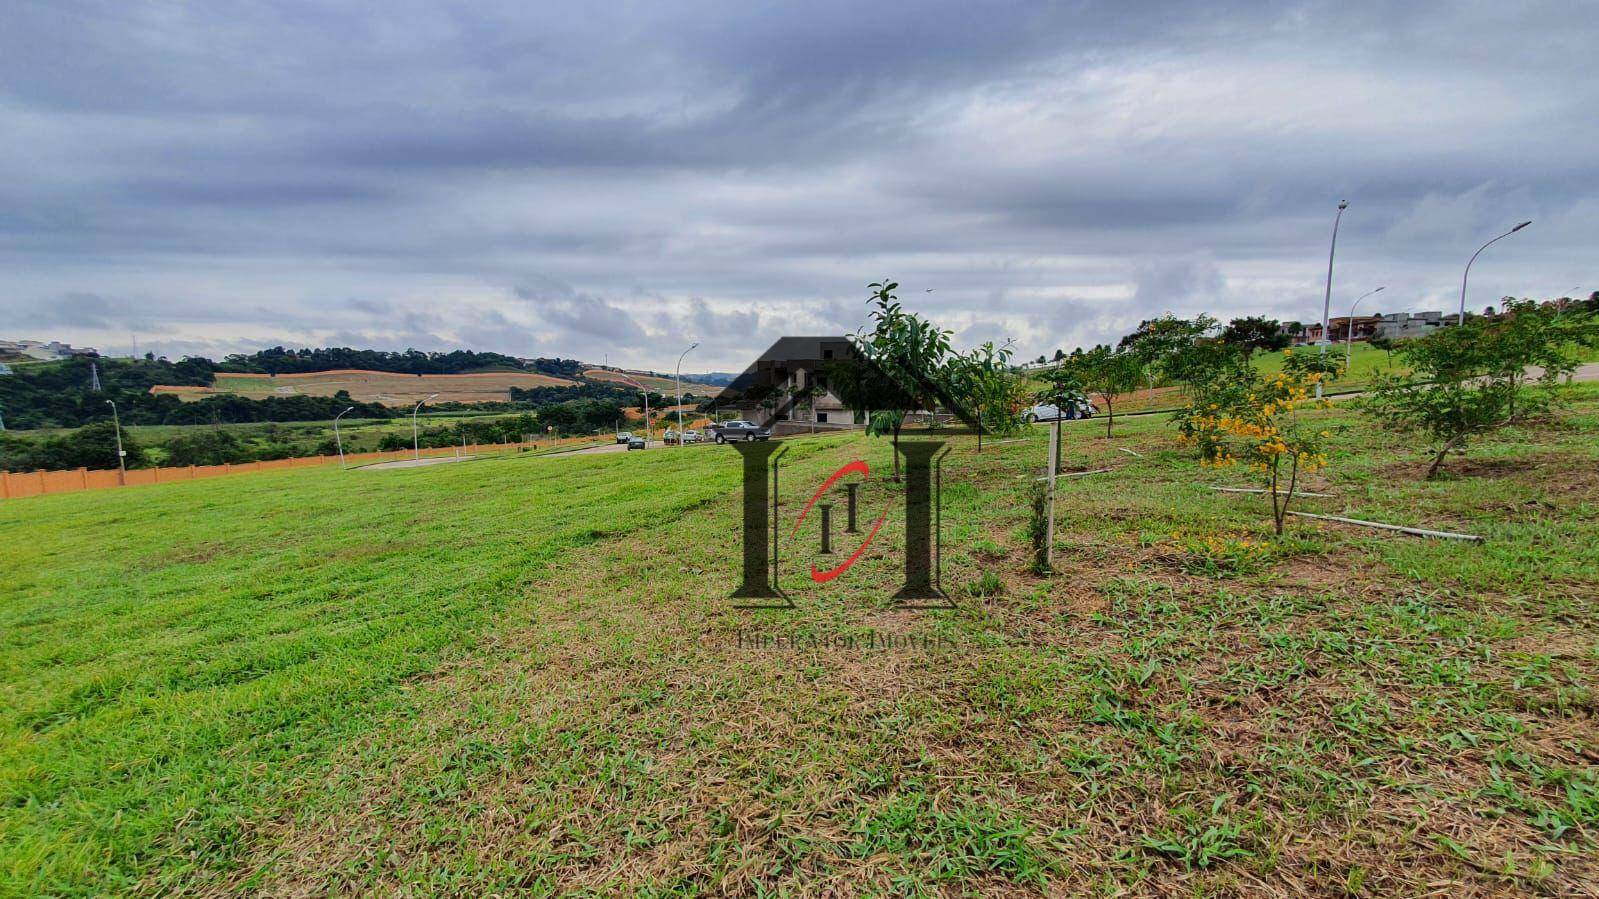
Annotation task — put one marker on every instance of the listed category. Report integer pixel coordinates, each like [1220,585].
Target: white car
[1049,412]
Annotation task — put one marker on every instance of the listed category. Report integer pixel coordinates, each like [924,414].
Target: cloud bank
[616,181]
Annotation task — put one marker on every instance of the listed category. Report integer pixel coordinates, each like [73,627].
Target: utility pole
[677,381]
[122,455]
[416,446]
[336,438]
[1462,319]
[1349,332]
[1326,304]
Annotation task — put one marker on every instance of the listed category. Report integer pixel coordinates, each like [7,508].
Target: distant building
[1389,325]
[1365,326]
[1406,325]
[43,351]
[794,395]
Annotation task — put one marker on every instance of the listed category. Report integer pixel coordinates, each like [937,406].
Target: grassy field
[525,675]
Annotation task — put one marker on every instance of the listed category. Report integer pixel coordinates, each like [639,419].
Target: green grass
[1365,365]
[523,675]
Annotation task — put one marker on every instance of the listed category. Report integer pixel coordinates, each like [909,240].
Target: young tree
[1062,389]
[1380,342]
[873,397]
[1109,373]
[805,398]
[982,378]
[1469,380]
[1175,348]
[909,349]
[1255,419]
[905,355]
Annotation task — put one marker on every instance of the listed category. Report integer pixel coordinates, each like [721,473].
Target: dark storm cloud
[625,179]
[88,311]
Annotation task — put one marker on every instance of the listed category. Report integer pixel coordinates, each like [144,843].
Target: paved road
[607,448]
[416,463]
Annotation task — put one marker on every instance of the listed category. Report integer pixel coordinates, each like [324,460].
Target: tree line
[280,360]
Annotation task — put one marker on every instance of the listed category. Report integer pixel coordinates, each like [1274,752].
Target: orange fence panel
[15,485]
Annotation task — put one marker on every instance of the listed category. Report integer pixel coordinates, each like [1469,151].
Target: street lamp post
[1350,343]
[677,382]
[122,456]
[1326,303]
[416,446]
[1462,319]
[336,438]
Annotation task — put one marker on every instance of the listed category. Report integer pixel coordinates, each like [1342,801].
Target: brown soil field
[388,388]
[665,385]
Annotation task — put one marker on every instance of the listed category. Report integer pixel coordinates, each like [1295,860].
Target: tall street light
[1462,319]
[1350,344]
[122,456]
[336,438]
[645,392]
[416,447]
[677,381]
[1326,303]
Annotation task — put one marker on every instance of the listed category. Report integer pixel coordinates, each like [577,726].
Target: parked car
[670,437]
[623,436]
[1049,412]
[691,435]
[635,443]
[740,429]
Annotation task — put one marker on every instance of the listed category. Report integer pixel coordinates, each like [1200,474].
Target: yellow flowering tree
[1254,419]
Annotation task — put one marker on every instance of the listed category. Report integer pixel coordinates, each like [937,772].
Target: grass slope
[525,675]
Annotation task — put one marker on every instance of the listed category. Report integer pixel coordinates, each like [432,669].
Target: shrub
[1469,380]
[1255,419]
[1038,526]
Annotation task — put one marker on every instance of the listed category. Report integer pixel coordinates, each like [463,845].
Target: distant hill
[713,378]
[280,384]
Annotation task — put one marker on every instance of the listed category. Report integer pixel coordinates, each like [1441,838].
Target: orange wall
[14,484]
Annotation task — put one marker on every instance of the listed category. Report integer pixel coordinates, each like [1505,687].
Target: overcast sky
[616,181]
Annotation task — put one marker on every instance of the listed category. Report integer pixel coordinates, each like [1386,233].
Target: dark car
[740,430]
[634,443]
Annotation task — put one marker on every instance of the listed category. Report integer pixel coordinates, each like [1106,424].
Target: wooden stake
[1419,532]
[1049,529]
